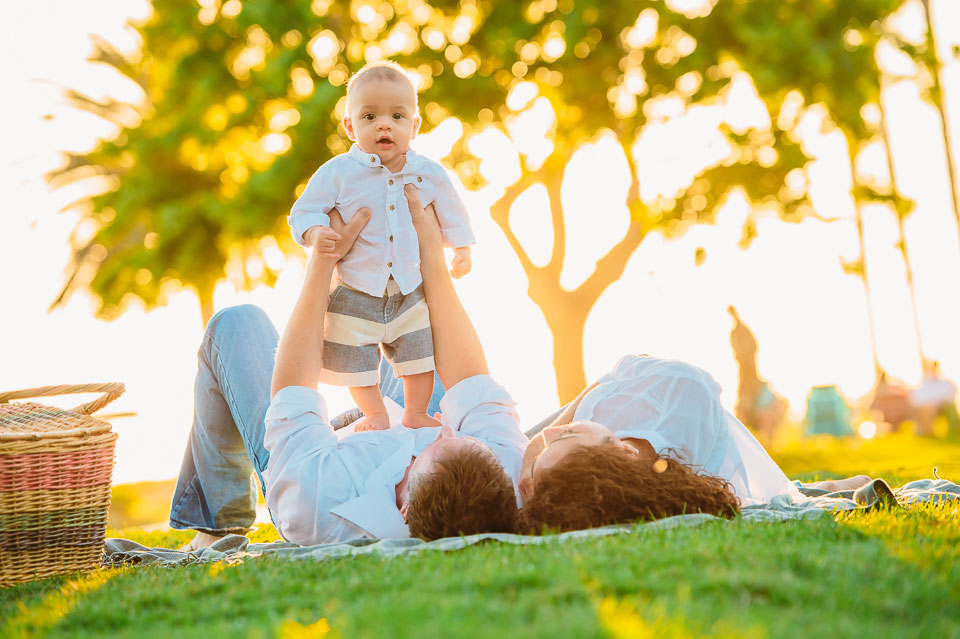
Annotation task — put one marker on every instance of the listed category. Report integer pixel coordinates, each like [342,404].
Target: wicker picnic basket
[55,471]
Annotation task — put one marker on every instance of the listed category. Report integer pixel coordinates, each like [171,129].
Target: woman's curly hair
[602,485]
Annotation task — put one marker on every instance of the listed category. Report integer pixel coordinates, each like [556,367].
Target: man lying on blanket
[431,482]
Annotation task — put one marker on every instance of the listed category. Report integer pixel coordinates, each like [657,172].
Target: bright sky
[809,317]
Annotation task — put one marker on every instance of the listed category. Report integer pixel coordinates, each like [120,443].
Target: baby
[378,299]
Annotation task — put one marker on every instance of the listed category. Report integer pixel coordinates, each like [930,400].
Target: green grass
[893,573]
[897,458]
[856,575]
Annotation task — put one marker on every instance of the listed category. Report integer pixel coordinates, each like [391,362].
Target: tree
[928,57]
[243,101]
[902,207]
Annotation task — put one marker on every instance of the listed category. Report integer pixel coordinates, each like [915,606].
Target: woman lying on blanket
[648,440]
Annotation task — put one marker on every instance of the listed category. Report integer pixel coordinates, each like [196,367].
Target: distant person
[757,407]
[827,412]
[768,413]
[458,478]
[378,301]
[934,397]
[745,351]
[891,403]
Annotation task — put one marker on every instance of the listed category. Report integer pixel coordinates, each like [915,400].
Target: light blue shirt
[388,244]
[321,489]
[676,407]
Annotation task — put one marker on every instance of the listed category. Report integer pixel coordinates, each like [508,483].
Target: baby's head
[382,114]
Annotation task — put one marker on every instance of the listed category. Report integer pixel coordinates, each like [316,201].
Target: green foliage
[887,573]
[242,101]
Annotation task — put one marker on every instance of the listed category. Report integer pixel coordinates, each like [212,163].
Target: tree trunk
[205,293]
[566,320]
[937,95]
[884,131]
[863,261]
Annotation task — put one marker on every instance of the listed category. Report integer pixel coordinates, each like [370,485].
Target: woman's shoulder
[662,377]
[652,365]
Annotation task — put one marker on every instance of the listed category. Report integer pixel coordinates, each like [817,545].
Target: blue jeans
[225,458]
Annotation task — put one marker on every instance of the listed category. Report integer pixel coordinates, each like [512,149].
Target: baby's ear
[348,126]
[416,126]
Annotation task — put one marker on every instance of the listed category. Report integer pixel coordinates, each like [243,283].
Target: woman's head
[553,443]
[603,484]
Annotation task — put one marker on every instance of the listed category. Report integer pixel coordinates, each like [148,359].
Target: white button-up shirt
[676,407]
[321,489]
[388,243]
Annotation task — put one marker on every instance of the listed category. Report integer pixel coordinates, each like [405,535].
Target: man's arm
[457,350]
[563,415]
[299,355]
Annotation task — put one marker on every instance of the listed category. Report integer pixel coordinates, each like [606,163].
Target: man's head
[382,112]
[456,486]
[603,484]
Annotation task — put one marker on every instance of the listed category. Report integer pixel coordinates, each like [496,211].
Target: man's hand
[323,239]
[427,226]
[346,233]
[461,264]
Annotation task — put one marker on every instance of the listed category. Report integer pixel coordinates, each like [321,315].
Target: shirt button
[391,207]
[419,179]
[389,264]
[391,183]
[391,238]
[372,160]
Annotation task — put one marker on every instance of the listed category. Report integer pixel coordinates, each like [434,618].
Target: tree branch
[558,254]
[500,213]
[633,194]
[611,266]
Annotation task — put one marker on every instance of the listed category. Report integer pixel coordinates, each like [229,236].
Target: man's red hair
[469,493]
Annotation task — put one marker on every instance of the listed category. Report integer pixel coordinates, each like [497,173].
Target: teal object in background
[827,412]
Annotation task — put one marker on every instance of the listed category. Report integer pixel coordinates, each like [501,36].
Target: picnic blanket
[235,548]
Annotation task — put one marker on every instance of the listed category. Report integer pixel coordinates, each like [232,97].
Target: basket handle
[110,390]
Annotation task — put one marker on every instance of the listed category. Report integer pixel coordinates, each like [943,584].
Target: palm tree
[936,96]
[901,210]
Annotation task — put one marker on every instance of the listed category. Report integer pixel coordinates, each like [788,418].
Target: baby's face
[383,119]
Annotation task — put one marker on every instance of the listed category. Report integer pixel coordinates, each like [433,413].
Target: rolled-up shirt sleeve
[313,206]
[451,213]
[480,407]
[305,476]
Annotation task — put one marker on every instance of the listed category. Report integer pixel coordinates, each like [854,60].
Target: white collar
[372,160]
[375,509]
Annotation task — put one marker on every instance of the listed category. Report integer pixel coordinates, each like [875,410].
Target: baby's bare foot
[374,421]
[418,419]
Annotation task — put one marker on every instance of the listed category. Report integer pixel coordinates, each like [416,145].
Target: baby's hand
[460,265]
[323,239]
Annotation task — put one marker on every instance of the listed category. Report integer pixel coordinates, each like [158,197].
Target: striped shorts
[358,325]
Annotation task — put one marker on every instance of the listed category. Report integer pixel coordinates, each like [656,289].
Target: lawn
[892,573]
